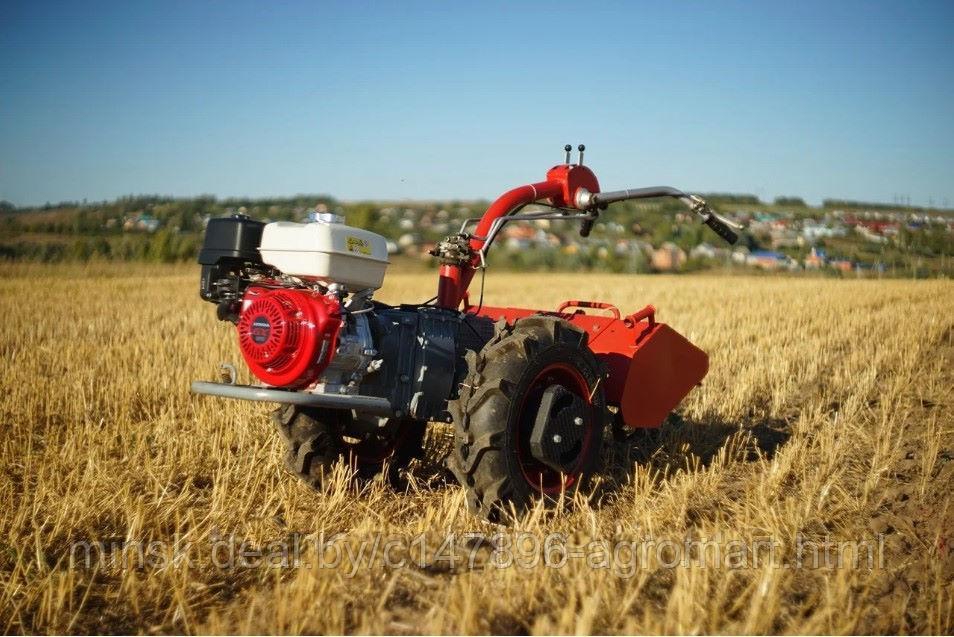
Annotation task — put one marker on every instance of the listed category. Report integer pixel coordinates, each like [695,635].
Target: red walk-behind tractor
[529,392]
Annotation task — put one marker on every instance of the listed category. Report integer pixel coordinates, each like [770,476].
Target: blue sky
[441,100]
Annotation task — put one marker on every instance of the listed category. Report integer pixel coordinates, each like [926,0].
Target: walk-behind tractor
[529,392]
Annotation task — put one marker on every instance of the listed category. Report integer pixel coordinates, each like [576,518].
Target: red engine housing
[288,336]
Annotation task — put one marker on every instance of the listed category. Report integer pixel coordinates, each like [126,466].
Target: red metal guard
[650,367]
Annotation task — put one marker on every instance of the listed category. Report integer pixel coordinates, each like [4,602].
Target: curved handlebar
[567,187]
[697,204]
[605,198]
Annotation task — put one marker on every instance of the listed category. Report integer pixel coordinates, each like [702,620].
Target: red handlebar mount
[560,189]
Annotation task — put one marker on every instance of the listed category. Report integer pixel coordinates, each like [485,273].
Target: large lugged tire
[499,400]
[315,444]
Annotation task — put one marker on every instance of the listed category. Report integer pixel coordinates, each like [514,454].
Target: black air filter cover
[236,237]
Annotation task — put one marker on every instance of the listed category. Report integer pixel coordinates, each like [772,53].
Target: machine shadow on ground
[680,444]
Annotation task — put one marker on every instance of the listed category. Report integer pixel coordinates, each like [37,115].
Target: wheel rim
[538,475]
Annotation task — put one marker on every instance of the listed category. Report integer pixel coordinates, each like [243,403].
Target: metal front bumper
[362,404]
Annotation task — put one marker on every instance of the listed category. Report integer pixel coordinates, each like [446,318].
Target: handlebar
[593,201]
[573,191]
[606,198]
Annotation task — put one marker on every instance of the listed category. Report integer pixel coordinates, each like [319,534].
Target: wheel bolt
[557,439]
[578,421]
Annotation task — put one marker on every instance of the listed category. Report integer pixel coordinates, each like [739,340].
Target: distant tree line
[791,202]
[716,198]
[160,247]
[848,204]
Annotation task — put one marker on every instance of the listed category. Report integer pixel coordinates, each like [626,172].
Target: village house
[812,231]
[842,265]
[816,259]
[767,259]
[704,251]
[142,222]
[668,257]
[870,235]
[740,254]
[877,231]
[783,237]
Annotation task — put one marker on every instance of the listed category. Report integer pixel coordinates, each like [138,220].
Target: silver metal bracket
[228,373]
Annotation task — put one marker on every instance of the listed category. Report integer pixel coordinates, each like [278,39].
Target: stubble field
[805,487]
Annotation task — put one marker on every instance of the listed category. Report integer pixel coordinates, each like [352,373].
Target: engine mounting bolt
[578,421]
[557,439]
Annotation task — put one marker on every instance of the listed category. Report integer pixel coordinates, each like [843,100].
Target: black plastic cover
[236,237]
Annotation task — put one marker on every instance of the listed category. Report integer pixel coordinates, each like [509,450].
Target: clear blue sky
[440,100]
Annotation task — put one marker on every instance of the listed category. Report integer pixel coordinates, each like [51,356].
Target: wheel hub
[559,428]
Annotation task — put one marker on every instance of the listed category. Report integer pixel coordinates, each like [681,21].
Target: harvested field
[805,487]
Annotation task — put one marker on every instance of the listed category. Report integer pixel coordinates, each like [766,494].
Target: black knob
[580,148]
[586,227]
[567,148]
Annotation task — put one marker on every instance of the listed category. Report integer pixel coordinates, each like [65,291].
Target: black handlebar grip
[721,229]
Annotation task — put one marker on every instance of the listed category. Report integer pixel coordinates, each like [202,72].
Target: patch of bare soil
[916,514]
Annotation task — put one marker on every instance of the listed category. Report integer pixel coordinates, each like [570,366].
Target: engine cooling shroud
[287,336]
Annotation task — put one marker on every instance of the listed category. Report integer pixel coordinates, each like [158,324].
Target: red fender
[650,366]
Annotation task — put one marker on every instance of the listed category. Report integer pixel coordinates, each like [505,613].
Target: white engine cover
[326,252]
